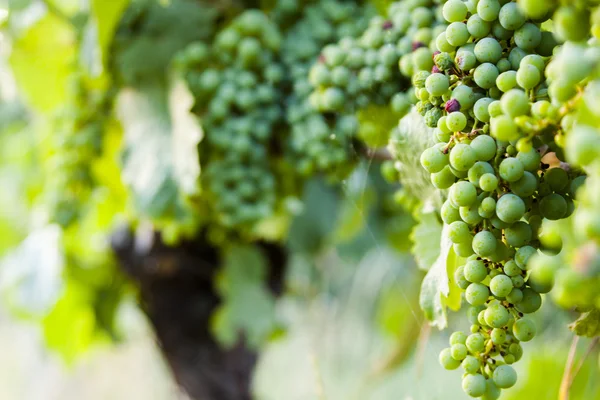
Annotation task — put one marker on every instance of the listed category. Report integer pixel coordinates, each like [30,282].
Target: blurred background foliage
[349,325]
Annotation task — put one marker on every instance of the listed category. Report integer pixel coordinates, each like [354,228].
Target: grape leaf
[248,306]
[41,62]
[426,236]
[438,290]
[588,324]
[155,170]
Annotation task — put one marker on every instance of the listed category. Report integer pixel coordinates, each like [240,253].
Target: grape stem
[570,372]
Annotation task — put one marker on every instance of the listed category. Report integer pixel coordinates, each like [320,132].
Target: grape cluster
[319,141]
[236,85]
[77,140]
[488,97]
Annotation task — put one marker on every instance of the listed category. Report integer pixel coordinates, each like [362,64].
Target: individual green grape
[463,250]
[496,315]
[518,281]
[475,343]
[465,96]
[474,385]
[510,208]
[511,169]
[511,17]
[478,28]
[541,278]
[477,294]
[515,103]
[505,376]
[463,193]
[524,329]
[515,296]
[511,268]
[458,338]
[454,11]
[488,183]
[465,60]
[434,160]
[557,178]
[457,34]
[485,75]
[488,50]
[459,277]
[437,84]
[506,81]
[484,146]
[456,122]
[572,23]
[459,232]
[536,9]
[531,160]
[583,146]
[532,301]
[488,10]
[501,285]
[449,213]
[519,234]
[443,179]
[475,271]
[523,255]
[458,351]
[446,360]
[481,110]
[528,76]
[487,208]
[526,186]
[553,207]
[484,244]
[498,336]
[471,364]
[528,37]
[504,128]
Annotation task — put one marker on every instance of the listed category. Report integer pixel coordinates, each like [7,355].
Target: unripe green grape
[454,11]
[478,28]
[531,160]
[459,277]
[537,9]
[443,179]
[458,338]
[463,250]
[449,213]
[437,84]
[532,301]
[511,268]
[459,232]
[442,43]
[465,60]
[524,330]
[535,60]
[470,214]
[511,169]
[511,17]
[463,193]
[446,360]
[528,76]
[458,351]
[523,255]
[501,285]
[515,103]
[504,128]
[515,296]
[541,278]
[571,23]
[481,110]
[553,207]
[465,96]
[456,122]
[477,294]
[457,33]
[488,50]
[434,160]
[506,81]
[495,109]
[518,281]
[471,365]
[475,271]
[484,244]
[498,336]
[474,385]
[526,186]
[462,156]
[516,350]
[528,37]
[583,146]
[505,376]
[496,316]
[500,32]
[488,10]
[487,208]
[519,234]
[510,208]
[488,183]
[485,75]
[557,178]
[475,343]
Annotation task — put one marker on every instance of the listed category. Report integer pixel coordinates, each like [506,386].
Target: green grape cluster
[77,140]
[319,141]
[496,116]
[236,84]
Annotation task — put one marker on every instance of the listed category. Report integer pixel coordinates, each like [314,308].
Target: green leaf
[248,307]
[41,61]
[588,324]
[157,171]
[105,17]
[438,291]
[426,236]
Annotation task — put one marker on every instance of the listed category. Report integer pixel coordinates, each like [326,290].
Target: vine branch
[568,376]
